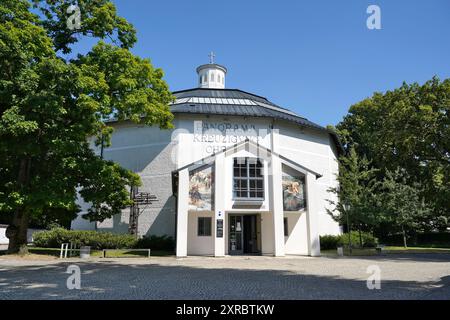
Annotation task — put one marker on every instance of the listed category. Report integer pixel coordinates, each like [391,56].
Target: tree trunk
[17,230]
[404,237]
[360,238]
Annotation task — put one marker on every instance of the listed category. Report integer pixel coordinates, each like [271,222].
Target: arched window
[212,77]
[204,78]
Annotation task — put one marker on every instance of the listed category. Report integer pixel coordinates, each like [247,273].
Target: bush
[429,239]
[163,243]
[368,240]
[100,240]
[96,240]
[330,242]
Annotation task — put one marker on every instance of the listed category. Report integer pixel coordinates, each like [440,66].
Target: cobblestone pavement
[425,276]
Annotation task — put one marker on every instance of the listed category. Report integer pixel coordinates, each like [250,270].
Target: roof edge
[222,89]
[211,65]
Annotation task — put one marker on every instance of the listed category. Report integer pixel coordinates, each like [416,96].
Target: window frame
[203,229]
[248,178]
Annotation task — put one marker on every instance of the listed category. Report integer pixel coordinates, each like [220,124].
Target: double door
[242,235]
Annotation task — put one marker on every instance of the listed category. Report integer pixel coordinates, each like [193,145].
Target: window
[248,179]
[286,230]
[204,227]
[204,78]
[212,77]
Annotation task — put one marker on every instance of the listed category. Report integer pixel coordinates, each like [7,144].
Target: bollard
[85,252]
[63,252]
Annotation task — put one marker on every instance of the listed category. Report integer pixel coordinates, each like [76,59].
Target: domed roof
[233,102]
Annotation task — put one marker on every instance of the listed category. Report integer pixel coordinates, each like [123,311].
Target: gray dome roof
[233,102]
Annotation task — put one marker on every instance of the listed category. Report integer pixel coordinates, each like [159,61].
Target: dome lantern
[211,75]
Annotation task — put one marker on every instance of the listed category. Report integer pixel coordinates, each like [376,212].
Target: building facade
[237,175]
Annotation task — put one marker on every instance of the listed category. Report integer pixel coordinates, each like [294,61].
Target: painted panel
[293,192]
[200,190]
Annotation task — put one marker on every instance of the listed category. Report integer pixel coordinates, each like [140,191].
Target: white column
[276,205]
[182,212]
[312,216]
[219,204]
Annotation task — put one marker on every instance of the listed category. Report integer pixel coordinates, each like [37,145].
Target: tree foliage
[404,135]
[407,128]
[51,107]
[403,206]
[356,192]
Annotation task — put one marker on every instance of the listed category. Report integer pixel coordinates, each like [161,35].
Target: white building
[237,175]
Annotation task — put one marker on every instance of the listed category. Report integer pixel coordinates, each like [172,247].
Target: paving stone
[403,276]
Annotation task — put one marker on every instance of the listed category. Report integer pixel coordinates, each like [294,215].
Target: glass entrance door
[236,235]
[250,234]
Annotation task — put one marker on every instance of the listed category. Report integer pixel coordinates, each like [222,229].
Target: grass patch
[394,249]
[119,253]
[387,250]
[44,251]
[355,252]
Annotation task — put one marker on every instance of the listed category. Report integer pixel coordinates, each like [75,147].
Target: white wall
[297,240]
[203,245]
[316,151]
[267,233]
[4,240]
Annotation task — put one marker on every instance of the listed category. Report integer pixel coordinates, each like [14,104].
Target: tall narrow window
[204,227]
[212,77]
[248,179]
[286,230]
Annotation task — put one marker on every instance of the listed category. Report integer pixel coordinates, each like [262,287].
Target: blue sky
[316,58]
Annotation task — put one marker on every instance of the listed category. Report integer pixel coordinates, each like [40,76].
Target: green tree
[53,108]
[356,193]
[403,204]
[408,127]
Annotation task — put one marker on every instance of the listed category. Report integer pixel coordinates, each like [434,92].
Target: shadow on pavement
[109,280]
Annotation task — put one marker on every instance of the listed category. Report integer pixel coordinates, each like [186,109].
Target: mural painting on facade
[293,192]
[200,190]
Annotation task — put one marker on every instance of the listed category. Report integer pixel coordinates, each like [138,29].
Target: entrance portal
[243,236]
